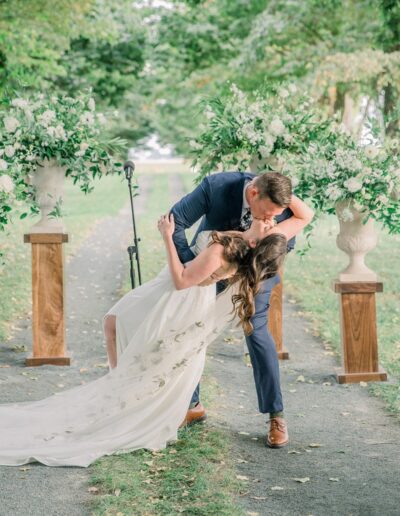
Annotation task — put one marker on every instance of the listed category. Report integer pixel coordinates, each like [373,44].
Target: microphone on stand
[133,250]
[129,168]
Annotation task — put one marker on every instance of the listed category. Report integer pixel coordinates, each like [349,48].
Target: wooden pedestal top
[45,238]
[357,287]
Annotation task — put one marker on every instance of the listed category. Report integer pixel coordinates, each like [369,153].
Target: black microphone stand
[133,250]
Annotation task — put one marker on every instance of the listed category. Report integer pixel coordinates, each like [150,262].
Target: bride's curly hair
[235,246]
[262,262]
[253,266]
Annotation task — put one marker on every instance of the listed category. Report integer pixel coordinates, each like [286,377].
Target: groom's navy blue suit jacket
[218,202]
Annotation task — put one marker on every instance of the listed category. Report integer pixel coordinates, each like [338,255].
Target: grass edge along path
[195,475]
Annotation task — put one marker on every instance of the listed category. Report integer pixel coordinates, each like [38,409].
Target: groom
[229,201]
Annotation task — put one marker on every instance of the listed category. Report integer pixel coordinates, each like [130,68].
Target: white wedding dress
[162,336]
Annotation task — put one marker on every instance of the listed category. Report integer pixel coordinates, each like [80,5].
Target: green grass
[308,280]
[81,213]
[194,476]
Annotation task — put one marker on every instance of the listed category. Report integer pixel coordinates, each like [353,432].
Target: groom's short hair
[275,186]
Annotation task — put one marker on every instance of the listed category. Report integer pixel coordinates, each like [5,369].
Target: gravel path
[341,439]
[94,275]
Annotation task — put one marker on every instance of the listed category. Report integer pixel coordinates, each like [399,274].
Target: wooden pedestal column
[358,332]
[276,318]
[47,299]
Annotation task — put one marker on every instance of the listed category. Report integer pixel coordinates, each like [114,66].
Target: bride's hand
[166,225]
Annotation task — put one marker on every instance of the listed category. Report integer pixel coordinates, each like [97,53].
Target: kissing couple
[157,334]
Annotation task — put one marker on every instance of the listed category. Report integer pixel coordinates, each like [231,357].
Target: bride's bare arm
[302,216]
[196,271]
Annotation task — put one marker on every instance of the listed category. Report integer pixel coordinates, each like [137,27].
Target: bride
[157,334]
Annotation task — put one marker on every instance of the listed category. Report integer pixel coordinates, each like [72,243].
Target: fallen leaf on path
[243,433]
[294,451]
[363,384]
[334,479]
[277,488]
[315,445]
[258,497]
[242,461]
[242,477]
[292,390]
[345,413]
[24,469]
[149,463]
[83,369]
[327,383]
[250,513]
[117,492]
[302,480]
[300,378]
[93,490]
[5,365]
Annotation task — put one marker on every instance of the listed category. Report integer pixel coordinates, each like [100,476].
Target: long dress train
[162,335]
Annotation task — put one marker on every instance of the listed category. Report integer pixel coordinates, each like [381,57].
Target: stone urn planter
[49,183]
[356,239]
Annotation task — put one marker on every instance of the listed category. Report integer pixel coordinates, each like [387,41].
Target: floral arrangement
[244,132]
[285,132]
[51,127]
[336,169]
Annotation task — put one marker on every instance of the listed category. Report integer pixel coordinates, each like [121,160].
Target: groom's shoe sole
[194,415]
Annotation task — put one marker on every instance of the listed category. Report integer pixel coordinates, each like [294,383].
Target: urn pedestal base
[358,332]
[48,327]
[275,319]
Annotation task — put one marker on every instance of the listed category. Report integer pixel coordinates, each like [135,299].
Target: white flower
[47,117]
[292,88]
[382,198]
[295,181]
[87,118]
[9,151]
[371,151]
[333,192]
[6,184]
[277,127]
[353,185]
[346,215]
[59,133]
[82,149]
[51,131]
[209,113]
[3,164]
[101,118]
[357,206]
[91,104]
[20,103]
[264,150]
[288,138]
[283,93]
[11,124]
[195,145]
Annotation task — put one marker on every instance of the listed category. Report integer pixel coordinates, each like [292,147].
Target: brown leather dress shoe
[196,414]
[278,434]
